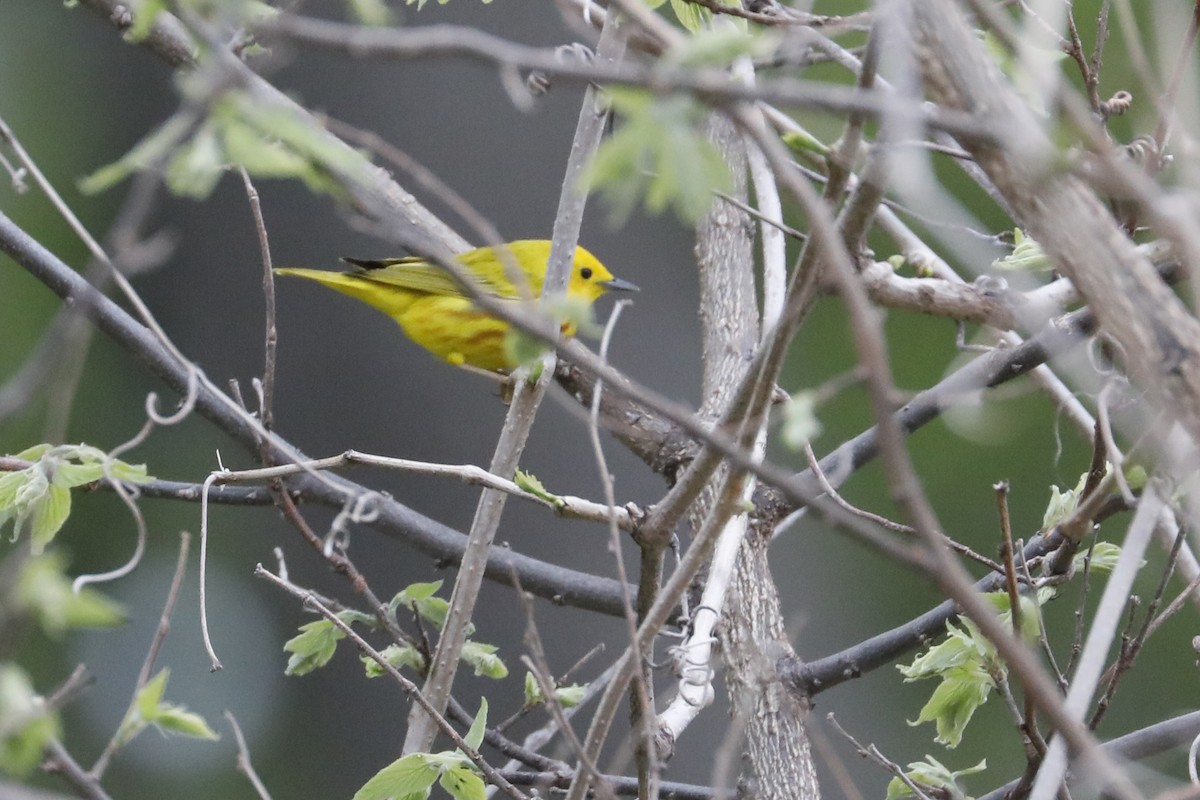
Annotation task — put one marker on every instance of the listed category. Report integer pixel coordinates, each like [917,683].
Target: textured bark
[1159,336]
[776,758]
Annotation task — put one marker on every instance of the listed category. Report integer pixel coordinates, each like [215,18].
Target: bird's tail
[388,299]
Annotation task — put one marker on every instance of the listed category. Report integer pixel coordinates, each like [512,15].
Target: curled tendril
[362,509]
[694,674]
[1117,105]
[16,175]
[537,83]
[129,498]
[185,408]
[208,482]
[519,91]
[1192,751]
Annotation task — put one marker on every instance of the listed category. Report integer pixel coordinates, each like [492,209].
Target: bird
[434,310]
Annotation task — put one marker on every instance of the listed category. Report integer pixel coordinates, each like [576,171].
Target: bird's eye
[586,273]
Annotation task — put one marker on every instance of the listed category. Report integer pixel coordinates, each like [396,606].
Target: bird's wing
[418,275]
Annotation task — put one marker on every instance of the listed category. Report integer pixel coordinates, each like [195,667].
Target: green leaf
[262,157]
[149,709]
[717,47]
[463,784]
[1027,256]
[22,751]
[575,312]
[68,475]
[937,779]
[954,702]
[482,657]
[371,12]
[143,20]
[268,140]
[1104,557]
[529,482]
[565,313]
[433,610]
[1061,504]
[689,172]
[1030,624]
[147,699]
[399,656]
[522,349]
[27,725]
[570,696]
[690,16]
[803,143]
[290,129]
[176,719]
[414,592]
[800,423]
[567,696]
[10,484]
[533,692]
[197,166]
[963,647]
[351,616]
[37,499]
[20,491]
[474,736]
[132,473]
[44,590]
[47,517]
[33,453]
[313,648]
[964,662]
[411,775]
[70,466]
[420,596]
[33,503]
[151,150]
[659,152]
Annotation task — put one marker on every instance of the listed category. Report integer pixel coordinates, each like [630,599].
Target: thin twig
[827,487]
[1091,661]
[564,505]
[410,688]
[59,761]
[538,667]
[872,753]
[711,84]
[522,411]
[1129,650]
[208,647]
[270,334]
[160,634]
[244,764]
[642,701]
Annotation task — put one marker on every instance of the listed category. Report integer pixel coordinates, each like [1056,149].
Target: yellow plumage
[433,310]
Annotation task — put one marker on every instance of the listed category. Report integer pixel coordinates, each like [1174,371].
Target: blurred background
[78,97]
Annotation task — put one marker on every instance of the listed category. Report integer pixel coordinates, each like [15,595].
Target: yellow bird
[435,312]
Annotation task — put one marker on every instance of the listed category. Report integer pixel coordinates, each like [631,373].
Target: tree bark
[776,757]
[1159,337]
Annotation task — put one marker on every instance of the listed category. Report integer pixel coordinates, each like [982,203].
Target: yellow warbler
[436,313]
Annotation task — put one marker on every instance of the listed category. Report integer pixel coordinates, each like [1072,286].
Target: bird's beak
[619,285]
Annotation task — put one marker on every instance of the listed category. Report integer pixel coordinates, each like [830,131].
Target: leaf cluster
[149,709]
[412,777]
[37,499]
[317,641]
